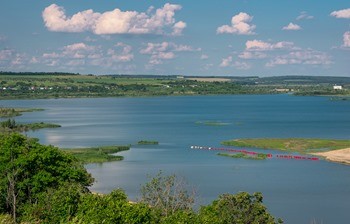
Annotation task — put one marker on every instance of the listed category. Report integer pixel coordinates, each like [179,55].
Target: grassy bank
[212,123]
[301,145]
[147,142]
[13,112]
[11,125]
[259,156]
[97,154]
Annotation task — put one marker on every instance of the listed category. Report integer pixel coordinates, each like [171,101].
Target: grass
[259,156]
[212,123]
[301,145]
[35,126]
[147,142]
[97,154]
[13,112]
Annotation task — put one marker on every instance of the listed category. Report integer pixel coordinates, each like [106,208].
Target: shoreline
[338,155]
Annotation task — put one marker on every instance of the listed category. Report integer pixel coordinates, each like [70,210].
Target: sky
[180,37]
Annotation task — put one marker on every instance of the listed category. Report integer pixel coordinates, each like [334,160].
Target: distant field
[210,79]
[69,85]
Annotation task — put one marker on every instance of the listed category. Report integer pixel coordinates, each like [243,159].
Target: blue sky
[216,38]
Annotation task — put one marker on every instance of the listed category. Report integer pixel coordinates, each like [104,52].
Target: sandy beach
[340,155]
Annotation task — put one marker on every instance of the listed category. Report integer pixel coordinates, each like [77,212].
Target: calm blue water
[297,191]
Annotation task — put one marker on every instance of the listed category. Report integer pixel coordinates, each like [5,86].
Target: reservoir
[298,191]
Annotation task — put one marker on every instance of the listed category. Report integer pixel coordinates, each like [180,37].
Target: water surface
[297,191]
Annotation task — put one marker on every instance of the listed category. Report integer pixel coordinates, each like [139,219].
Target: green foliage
[28,169]
[6,219]
[55,205]
[241,208]
[169,194]
[182,217]
[112,208]
[9,123]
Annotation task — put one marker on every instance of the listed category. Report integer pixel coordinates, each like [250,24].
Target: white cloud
[344,13]
[125,55]
[252,55]
[204,57]
[75,63]
[240,24]
[115,21]
[165,51]
[258,45]
[291,26]
[6,54]
[305,57]
[226,62]
[178,28]
[346,39]
[79,54]
[241,65]
[56,20]
[304,15]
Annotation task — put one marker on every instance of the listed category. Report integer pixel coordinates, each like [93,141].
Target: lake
[295,190]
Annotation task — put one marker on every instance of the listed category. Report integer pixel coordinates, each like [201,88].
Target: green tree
[169,194]
[55,205]
[113,208]
[28,169]
[241,208]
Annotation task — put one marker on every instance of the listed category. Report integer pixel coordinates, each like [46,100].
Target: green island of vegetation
[147,142]
[10,125]
[259,156]
[13,112]
[212,123]
[97,154]
[300,145]
[43,184]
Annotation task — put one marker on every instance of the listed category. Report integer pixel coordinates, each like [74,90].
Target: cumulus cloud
[79,54]
[6,54]
[123,55]
[252,55]
[240,24]
[344,14]
[304,15]
[204,57]
[178,27]
[346,39]
[241,65]
[258,45]
[305,57]
[164,51]
[10,59]
[226,62]
[291,26]
[115,21]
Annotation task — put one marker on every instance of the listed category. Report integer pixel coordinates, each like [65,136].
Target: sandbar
[339,155]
